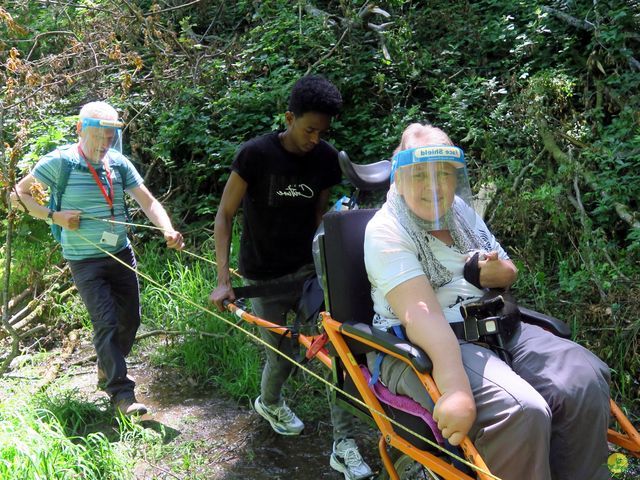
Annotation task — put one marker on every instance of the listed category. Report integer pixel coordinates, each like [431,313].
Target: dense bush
[543,97]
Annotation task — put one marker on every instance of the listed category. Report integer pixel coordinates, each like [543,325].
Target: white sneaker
[281,418]
[346,459]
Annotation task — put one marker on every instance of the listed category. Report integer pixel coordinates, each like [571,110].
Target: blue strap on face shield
[100,126]
[429,153]
[101,123]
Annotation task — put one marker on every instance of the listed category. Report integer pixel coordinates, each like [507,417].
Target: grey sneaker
[281,418]
[129,407]
[346,459]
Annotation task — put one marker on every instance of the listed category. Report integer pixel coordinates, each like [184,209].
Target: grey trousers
[277,369]
[546,417]
[111,294]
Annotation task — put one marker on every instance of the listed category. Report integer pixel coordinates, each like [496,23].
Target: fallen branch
[153,333]
[328,54]
[634,64]
[624,213]
[566,18]
[36,39]
[35,313]
[70,344]
[32,331]
[16,317]
[18,298]
[172,8]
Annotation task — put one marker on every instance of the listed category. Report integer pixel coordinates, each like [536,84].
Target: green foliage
[213,350]
[40,443]
[45,136]
[196,82]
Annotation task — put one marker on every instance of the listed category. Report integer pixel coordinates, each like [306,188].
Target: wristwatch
[49,218]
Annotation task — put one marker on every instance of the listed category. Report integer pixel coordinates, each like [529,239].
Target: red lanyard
[107,196]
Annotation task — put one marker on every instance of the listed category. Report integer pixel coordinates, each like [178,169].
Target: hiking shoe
[129,407]
[346,459]
[281,418]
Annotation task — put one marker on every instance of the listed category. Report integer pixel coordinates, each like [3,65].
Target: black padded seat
[347,288]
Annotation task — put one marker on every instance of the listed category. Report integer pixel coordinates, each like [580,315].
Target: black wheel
[408,468]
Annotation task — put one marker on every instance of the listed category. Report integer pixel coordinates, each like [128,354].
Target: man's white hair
[98,110]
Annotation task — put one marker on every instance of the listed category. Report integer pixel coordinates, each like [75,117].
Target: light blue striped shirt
[82,193]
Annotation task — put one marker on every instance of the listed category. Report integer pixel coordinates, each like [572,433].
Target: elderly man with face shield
[88,180]
[545,413]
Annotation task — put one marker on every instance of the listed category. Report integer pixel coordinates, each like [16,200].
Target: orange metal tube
[446,470]
[304,340]
[631,438]
[386,459]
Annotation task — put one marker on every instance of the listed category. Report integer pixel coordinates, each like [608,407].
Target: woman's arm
[414,302]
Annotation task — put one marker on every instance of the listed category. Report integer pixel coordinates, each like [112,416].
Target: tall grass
[224,357]
[55,443]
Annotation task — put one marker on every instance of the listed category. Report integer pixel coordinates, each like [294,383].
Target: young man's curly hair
[314,93]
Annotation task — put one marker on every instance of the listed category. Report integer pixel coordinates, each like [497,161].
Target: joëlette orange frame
[388,434]
[629,438]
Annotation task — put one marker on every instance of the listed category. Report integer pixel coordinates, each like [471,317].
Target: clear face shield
[98,136]
[433,180]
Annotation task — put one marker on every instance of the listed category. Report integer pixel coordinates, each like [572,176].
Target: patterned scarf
[464,237]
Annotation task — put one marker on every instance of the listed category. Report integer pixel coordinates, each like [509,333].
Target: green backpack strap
[122,171]
[55,199]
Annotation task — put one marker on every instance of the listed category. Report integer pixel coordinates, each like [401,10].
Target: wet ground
[212,437]
[208,436]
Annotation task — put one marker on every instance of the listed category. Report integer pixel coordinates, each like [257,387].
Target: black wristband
[471,271]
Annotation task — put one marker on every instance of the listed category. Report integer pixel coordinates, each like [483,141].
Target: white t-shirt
[391,258]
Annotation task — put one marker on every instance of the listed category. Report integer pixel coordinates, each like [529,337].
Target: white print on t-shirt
[461,299]
[299,190]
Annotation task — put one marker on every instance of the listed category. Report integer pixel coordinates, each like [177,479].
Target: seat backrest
[346,286]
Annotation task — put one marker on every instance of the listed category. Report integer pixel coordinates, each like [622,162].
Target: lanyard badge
[108,238]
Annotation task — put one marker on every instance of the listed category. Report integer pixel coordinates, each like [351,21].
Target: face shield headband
[432,182]
[431,153]
[98,136]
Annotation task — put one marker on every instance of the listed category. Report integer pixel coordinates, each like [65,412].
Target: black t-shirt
[280,204]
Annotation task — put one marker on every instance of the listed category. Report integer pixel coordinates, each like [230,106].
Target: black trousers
[111,293]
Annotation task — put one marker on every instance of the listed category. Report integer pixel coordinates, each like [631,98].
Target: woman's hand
[455,412]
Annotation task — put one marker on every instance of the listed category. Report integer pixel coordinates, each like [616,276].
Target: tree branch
[9,174]
[152,333]
[172,8]
[573,21]
[328,54]
[550,144]
[44,34]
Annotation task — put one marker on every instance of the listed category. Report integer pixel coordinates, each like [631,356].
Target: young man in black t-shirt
[282,180]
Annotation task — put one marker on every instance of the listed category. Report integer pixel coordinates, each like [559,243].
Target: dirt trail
[208,436]
[212,437]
